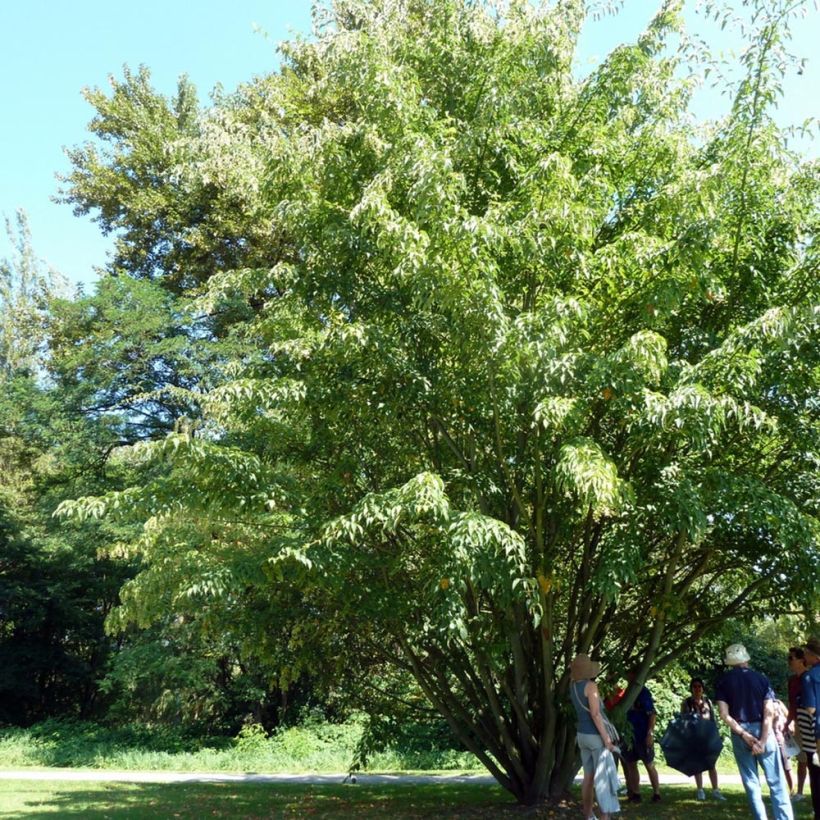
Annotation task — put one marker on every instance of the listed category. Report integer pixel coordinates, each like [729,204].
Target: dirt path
[102,775]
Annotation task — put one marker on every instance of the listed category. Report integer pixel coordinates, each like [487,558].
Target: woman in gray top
[600,777]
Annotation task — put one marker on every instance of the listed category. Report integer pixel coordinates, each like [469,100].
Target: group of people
[746,703]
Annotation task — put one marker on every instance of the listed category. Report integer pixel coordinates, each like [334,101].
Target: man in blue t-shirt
[641,717]
[810,701]
[746,702]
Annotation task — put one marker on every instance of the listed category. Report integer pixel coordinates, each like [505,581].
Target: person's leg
[787,768]
[699,793]
[588,763]
[814,785]
[717,794]
[635,754]
[772,767]
[802,771]
[633,780]
[653,778]
[586,794]
[787,774]
[747,768]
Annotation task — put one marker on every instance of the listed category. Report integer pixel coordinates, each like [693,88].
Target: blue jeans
[769,761]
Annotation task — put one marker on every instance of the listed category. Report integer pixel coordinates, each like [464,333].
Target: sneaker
[796,798]
[700,795]
[717,794]
[633,797]
[656,798]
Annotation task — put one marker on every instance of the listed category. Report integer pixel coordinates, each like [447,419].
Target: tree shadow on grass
[34,800]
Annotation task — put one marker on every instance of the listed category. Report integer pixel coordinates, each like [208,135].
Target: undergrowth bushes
[315,746]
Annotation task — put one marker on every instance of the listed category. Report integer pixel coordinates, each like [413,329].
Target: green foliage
[26,286]
[66,742]
[140,135]
[52,645]
[127,354]
[54,592]
[120,366]
[315,745]
[523,365]
[173,675]
[251,738]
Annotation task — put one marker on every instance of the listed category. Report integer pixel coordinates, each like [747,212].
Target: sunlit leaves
[26,286]
[692,414]
[547,298]
[422,498]
[555,411]
[585,471]
[525,355]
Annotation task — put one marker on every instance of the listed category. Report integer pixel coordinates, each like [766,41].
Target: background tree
[26,286]
[530,366]
[175,229]
[54,592]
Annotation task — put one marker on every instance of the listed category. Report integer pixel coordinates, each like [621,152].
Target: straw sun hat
[583,667]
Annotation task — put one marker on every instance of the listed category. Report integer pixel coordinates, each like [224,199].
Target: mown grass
[28,799]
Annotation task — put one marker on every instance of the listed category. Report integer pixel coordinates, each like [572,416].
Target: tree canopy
[515,364]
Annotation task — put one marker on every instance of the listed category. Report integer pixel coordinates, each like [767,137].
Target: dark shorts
[639,751]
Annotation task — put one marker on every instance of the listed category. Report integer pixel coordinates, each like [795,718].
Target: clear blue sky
[51,49]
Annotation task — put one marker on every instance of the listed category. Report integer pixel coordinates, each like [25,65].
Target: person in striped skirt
[810,728]
[797,666]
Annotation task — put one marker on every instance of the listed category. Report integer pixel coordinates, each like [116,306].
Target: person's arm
[792,714]
[809,696]
[683,709]
[768,718]
[594,700]
[649,706]
[747,737]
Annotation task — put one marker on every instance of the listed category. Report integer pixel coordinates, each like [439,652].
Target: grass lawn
[33,799]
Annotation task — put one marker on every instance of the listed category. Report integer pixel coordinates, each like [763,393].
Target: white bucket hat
[736,654]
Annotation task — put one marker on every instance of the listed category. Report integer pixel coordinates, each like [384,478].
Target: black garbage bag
[691,744]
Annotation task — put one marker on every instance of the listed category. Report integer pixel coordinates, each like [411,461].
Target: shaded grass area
[36,799]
